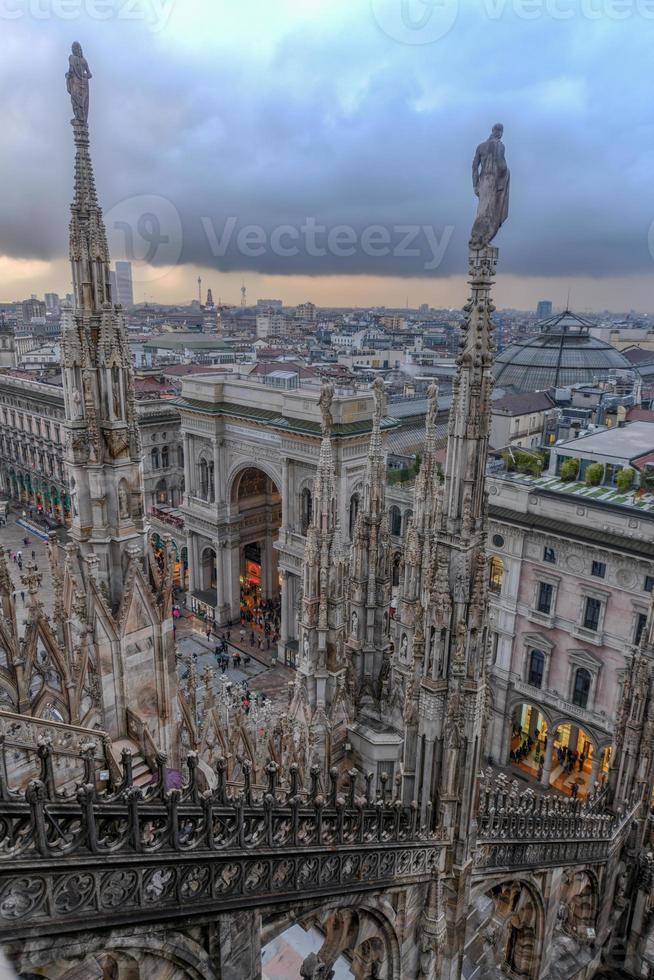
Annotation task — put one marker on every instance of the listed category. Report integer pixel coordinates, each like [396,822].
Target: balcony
[168,515]
[552,699]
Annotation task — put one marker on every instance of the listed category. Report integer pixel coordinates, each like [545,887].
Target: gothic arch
[187,958]
[372,921]
[519,903]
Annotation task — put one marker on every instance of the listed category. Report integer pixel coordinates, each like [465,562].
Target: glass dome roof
[562,354]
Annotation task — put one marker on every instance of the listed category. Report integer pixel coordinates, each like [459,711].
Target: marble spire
[102,436]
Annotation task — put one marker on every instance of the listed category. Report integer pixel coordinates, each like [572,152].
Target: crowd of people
[534,747]
[528,746]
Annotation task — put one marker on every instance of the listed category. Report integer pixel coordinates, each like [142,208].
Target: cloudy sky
[321,149]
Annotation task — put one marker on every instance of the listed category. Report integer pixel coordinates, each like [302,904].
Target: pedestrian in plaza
[575,790]
[229,635]
[22,595]
[33,554]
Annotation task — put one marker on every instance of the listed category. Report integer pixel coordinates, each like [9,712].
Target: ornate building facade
[441,867]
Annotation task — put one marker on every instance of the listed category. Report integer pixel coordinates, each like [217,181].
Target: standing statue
[490,180]
[325,405]
[77,84]
[378,395]
[76,404]
[432,405]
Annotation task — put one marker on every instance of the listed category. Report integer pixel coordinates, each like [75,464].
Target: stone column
[188,477]
[594,772]
[235,945]
[426,778]
[547,767]
[285,492]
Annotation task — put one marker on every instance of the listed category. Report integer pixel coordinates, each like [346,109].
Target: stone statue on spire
[490,180]
[325,405]
[378,395]
[77,84]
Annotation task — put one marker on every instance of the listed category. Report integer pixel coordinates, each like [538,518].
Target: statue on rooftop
[77,84]
[490,180]
[325,404]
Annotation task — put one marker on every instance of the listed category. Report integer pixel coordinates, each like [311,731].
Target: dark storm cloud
[343,126]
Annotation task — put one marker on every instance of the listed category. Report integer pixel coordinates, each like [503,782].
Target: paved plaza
[12,539]
[262,675]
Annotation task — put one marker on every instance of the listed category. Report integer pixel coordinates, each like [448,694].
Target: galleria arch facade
[251,452]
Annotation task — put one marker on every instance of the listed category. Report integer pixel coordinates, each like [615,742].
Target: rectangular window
[649,583]
[536,668]
[549,555]
[598,569]
[544,597]
[592,614]
[640,626]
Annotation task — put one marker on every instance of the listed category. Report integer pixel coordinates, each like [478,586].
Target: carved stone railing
[506,814]
[55,752]
[518,828]
[129,853]
[26,732]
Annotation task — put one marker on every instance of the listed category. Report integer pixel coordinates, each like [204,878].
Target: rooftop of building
[629,441]
[603,496]
[523,403]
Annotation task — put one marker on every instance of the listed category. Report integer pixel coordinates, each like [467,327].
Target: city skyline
[377,143]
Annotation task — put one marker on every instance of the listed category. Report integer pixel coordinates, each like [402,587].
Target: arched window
[496,575]
[395,520]
[581,688]
[154,456]
[354,510]
[536,668]
[164,457]
[203,467]
[306,509]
